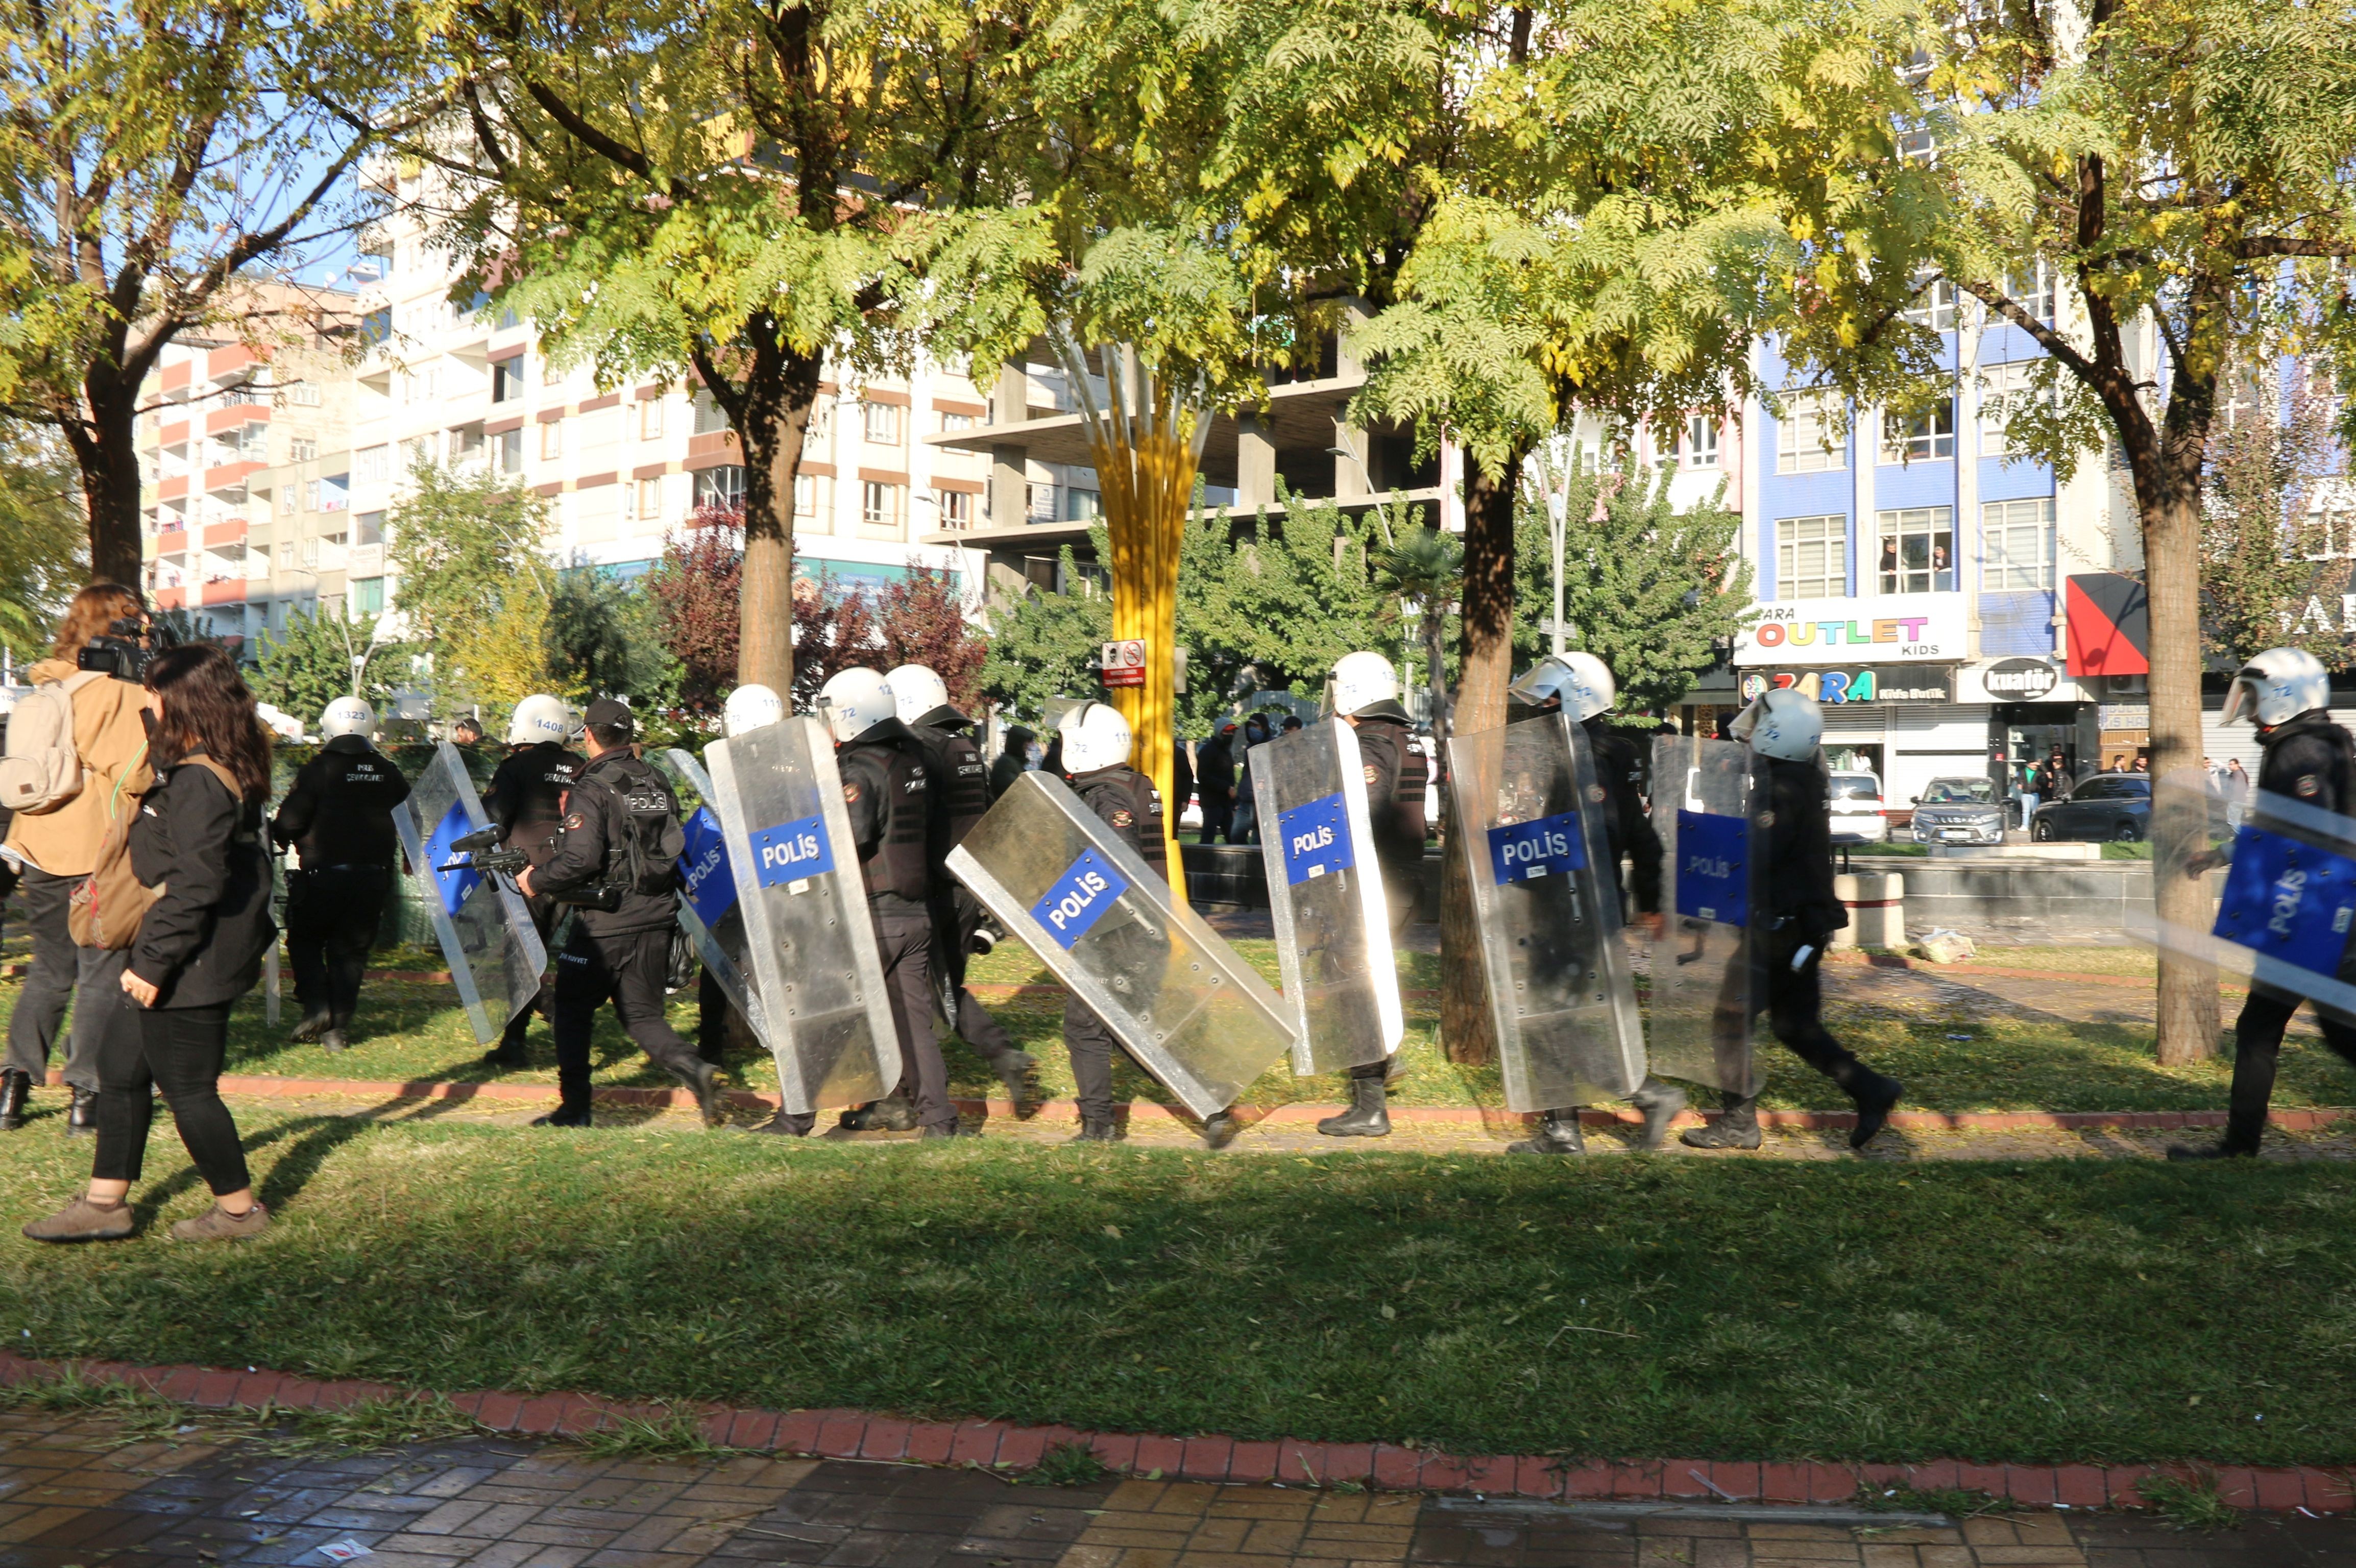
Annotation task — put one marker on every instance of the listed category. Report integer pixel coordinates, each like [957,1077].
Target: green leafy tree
[309,664]
[2271,570]
[1426,570]
[1652,592]
[475,588]
[1043,645]
[607,635]
[1292,598]
[43,540]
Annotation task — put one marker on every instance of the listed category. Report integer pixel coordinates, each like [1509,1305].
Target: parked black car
[2114,806]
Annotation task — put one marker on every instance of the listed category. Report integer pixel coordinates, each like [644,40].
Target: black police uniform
[1126,802]
[2310,760]
[618,846]
[961,780]
[887,788]
[1395,775]
[338,816]
[525,803]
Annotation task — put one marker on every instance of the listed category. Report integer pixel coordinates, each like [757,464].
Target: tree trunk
[1486,646]
[2169,500]
[771,423]
[105,448]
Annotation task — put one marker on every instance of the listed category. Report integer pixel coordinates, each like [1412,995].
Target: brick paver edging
[859,1434]
[265,1087]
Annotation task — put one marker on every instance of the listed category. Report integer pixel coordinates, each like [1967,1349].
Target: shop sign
[1843,687]
[2020,680]
[2122,716]
[1926,627]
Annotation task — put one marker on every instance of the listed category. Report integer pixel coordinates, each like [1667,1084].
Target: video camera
[126,648]
[484,855]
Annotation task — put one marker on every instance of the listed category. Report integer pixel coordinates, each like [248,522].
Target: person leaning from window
[199,948]
[55,843]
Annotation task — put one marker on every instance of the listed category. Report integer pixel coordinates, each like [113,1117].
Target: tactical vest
[1130,805]
[899,861]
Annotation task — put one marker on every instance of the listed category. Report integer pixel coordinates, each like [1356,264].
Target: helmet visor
[1747,720]
[2241,701]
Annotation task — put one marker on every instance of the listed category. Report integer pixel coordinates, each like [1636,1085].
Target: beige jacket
[112,741]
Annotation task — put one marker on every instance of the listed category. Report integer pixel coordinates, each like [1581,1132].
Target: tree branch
[2262,245]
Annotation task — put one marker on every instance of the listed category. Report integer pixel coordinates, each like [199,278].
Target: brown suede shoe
[82,1220]
[218,1225]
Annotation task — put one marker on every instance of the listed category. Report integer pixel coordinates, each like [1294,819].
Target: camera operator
[525,803]
[616,858]
[338,816]
[77,756]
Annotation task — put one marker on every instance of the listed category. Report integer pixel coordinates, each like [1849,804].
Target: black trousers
[1091,1044]
[1218,811]
[331,923]
[1399,881]
[88,977]
[544,913]
[1793,1001]
[626,970]
[2257,1049]
[905,934]
[178,1051]
[953,928]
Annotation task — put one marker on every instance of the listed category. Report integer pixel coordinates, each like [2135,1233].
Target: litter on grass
[344,1551]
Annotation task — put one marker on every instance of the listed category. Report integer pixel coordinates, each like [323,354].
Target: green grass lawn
[411,1030]
[1624,1307]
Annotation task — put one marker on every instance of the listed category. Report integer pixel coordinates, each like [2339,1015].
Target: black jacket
[615,799]
[527,794]
[339,811]
[202,943]
[1791,829]
[1128,803]
[1215,769]
[887,789]
[1395,775]
[1619,768]
[2310,760]
[1012,762]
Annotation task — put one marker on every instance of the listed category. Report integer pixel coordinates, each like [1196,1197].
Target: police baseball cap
[607,714]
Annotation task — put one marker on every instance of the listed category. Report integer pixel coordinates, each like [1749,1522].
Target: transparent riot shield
[495,956]
[1546,899]
[1701,966]
[708,909]
[1325,894]
[815,966]
[2276,901]
[1193,1013]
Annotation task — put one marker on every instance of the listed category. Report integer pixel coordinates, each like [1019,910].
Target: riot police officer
[339,817]
[1097,743]
[1793,913]
[524,803]
[961,780]
[616,858]
[2286,694]
[1582,686]
[888,790]
[1366,696]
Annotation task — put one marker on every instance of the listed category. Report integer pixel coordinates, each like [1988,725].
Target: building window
[881,422]
[1082,505]
[311,552]
[1917,551]
[1042,503]
[506,379]
[2032,291]
[722,486]
[814,499]
[1919,438]
[650,420]
[286,500]
[880,505]
[956,421]
[2019,537]
[1808,437]
[298,395]
[1919,145]
[1935,305]
[709,415]
[2241,399]
[374,464]
[286,552]
[1812,558]
[649,504]
[367,596]
[367,527]
[508,455]
[551,438]
[302,449]
[2004,391]
[1701,441]
[957,509]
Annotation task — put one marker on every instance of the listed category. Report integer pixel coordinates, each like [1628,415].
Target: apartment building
[226,421]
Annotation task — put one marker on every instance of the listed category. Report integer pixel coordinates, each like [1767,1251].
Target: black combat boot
[702,1082]
[1219,1128]
[892,1114]
[1660,1104]
[1019,1071]
[310,1028]
[1875,1096]
[1093,1131]
[563,1116]
[1557,1133]
[1737,1126]
[332,1039]
[15,1098]
[82,1116]
[1365,1118]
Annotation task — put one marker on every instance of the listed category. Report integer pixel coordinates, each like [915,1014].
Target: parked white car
[1860,815]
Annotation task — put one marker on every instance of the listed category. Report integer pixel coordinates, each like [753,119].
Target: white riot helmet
[854,703]
[750,708]
[1361,681]
[1581,680]
[1781,724]
[539,717]
[917,691]
[2278,685]
[1094,736]
[348,716]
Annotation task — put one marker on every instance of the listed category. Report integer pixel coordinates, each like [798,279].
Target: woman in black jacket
[200,947]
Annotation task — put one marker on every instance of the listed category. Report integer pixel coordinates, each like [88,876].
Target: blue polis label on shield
[2289,900]
[1547,847]
[1079,899]
[791,851]
[703,868]
[456,886]
[1316,840]
[1714,868]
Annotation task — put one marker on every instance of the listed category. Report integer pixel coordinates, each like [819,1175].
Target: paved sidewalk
[76,1493]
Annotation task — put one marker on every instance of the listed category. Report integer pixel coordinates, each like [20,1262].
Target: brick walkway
[76,1492]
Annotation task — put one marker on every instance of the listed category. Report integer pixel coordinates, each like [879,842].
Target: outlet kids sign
[1854,631]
